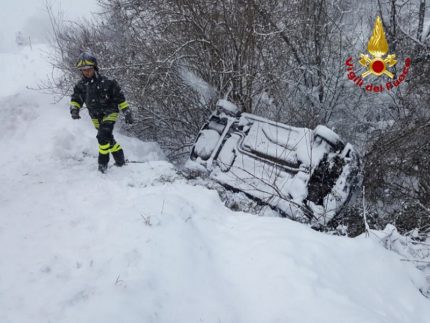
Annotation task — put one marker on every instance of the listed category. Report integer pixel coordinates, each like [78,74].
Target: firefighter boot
[103,157]
[118,155]
[103,168]
[119,158]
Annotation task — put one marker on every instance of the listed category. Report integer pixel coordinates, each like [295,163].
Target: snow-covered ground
[140,244]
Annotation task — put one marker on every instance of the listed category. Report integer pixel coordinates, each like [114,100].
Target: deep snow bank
[142,245]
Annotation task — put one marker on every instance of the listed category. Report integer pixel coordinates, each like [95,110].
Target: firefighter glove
[128,116]
[74,111]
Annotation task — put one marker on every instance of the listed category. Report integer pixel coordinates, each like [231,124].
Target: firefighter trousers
[107,143]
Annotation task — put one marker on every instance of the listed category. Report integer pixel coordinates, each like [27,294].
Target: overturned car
[306,175]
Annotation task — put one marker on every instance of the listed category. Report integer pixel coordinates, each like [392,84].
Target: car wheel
[206,143]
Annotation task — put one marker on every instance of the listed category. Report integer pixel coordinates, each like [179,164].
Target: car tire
[206,143]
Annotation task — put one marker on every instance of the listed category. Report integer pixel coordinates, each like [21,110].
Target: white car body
[307,175]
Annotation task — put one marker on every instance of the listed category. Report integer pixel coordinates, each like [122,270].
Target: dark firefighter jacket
[102,96]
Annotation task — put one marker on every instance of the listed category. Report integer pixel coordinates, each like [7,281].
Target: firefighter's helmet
[86,60]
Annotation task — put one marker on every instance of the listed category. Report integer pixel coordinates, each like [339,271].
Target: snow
[226,155]
[274,142]
[327,134]
[30,18]
[205,90]
[426,31]
[23,70]
[141,244]
[228,107]
[206,143]
[279,140]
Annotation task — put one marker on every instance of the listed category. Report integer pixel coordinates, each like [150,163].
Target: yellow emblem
[378,47]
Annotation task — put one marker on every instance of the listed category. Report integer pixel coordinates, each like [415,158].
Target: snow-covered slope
[140,244]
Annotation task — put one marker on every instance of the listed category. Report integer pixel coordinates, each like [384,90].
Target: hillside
[141,244]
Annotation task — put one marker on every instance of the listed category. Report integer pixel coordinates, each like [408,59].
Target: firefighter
[104,99]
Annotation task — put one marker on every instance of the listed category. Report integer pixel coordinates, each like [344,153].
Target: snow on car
[307,175]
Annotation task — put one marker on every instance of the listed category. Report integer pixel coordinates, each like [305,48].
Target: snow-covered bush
[412,249]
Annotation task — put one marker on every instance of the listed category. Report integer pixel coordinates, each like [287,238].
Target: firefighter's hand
[75,113]
[128,117]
